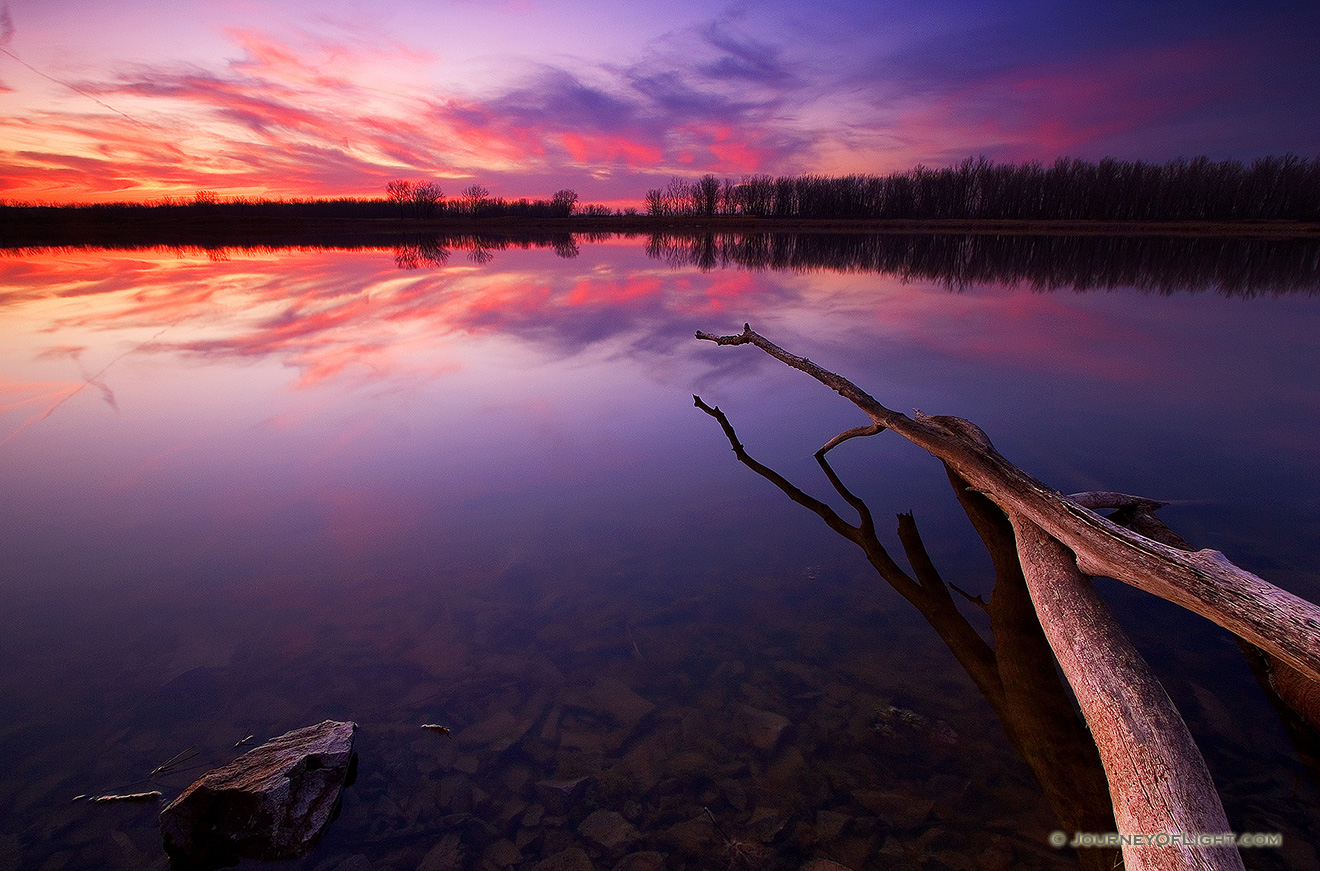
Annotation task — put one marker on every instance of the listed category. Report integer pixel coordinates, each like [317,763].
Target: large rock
[273,802]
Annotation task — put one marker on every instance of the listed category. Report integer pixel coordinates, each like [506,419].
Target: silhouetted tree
[399,191]
[705,195]
[655,202]
[1200,189]
[1151,263]
[426,198]
[561,204]
[475,197]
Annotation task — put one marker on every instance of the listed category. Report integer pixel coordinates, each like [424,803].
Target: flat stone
[900,810]
[608,829]
[829,824]
[273,802]
[733,793]
[495,734]
[766,823]
[572,859]
[646,861]
[611,698]
[447,855]
[764,728]
[503,853]
[560,794]
[824,865]
[695,837]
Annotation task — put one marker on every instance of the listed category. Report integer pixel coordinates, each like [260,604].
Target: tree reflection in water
[1159,264]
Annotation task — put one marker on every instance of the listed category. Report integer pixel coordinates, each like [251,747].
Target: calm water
[246,491]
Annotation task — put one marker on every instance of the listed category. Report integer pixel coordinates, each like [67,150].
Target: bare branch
[867,525]
[1098,499]
[825,512]
[977,600]
[918,557]
[855,432]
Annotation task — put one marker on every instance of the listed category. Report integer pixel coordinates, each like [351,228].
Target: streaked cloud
[298,107]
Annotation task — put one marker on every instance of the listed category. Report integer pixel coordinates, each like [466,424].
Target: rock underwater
[273,802]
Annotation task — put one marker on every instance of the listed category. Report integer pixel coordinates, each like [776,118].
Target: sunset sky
[109,101]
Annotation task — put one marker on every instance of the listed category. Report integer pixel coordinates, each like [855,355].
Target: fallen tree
[1204,581]
[1158,782]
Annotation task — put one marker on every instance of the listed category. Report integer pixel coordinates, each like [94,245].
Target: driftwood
[1280,623]
[153,795]
[1158,781]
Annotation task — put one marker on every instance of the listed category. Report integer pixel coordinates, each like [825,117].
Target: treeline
[426,199]
[204,204]
[1158,264]
[403,199]
[1200,189]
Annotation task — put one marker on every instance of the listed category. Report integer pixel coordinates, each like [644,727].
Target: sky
[139,99]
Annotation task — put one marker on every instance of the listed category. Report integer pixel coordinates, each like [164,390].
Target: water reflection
[1017,676]
[1162,264]
[414,252]
[1154,263]
[252,489]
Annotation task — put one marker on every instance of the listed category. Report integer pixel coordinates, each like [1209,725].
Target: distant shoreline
[78,228]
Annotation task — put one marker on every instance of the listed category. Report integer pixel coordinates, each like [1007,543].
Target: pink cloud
[589,148]
[1041,112]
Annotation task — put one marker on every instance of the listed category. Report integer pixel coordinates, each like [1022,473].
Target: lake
[463,482]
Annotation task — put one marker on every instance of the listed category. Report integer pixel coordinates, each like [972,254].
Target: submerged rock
[272,802]
[764,728]
[608,829]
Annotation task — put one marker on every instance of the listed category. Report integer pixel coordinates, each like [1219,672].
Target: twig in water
[174,761]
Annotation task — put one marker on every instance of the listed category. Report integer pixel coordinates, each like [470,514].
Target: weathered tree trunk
[1157,779]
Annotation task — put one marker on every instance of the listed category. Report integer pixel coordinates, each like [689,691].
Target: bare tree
[1017,675]
[426,198]
[655,202]
[474,197]
[562,203]
[706,195]
[399,191]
